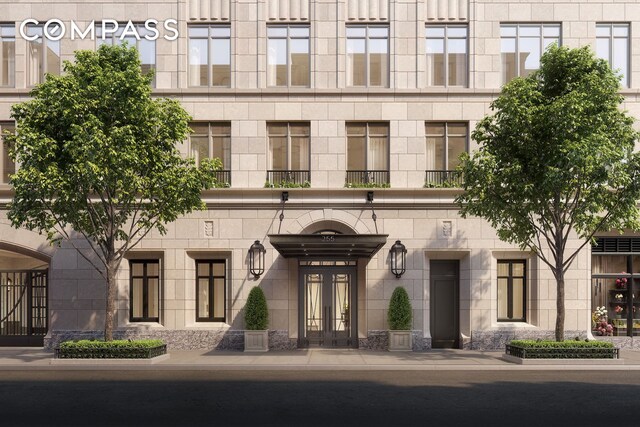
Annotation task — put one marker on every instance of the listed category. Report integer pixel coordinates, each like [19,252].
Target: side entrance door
[327,311]
[444,304]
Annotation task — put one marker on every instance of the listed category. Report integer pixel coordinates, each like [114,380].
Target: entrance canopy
[328,245]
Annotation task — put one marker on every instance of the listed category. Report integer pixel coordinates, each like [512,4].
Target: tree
[555,158]
[98,160]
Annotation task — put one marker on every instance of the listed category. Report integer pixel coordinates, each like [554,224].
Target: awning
[328,245]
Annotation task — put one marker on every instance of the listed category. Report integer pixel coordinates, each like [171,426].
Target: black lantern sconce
[398,253]
[256,259]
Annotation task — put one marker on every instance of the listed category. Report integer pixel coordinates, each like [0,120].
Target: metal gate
[23,307]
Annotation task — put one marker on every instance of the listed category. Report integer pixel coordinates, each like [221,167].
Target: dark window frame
[211,277]
[145,289]
[510,278]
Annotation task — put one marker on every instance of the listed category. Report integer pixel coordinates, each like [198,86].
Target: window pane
[153,293]
[378,63]
[529,55]
[222,150]
[198,32]
[508,49]
[7,60]
[278,149]
[277,62]
[356,129]
[300,153]
[620,58]
[435,62]
[203,269]
[199,148]
[378,129]
[433,32]
[458,32]
[218,269]
[356,32]
[218,298]
[530,31]
[551,31]
[300,62]
[277,129]
[457,62]
[203,298]
[508,31]
[221,62]
[602,49]
[603,30]
[8,166]
[503,269]
[608,264]
[356,67]
[299,129]
[137,268]
[53,57]
[518,298]
[299,32]
[517,269]
[502,298]
[355,153]
[377,32]
[435,153]
[277,32]
[153,269]
[220,32]
[198,63]
[36,67]
[620,30]
[137,302]
[457,145]
[378,154]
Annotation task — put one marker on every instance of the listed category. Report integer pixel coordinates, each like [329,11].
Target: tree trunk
[560,305]
[111,302]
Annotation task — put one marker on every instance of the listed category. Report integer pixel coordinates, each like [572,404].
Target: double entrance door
[327,306]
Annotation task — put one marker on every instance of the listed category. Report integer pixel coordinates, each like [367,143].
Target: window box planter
[117,349]
[256,341]
[400,341]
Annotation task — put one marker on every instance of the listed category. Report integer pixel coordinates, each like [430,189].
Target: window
[7,167]
[512,291]
[43,55]
[615,286]
[210,56]
[7,55]
[368,56]
[445,142]
[612,44]
[146,48]
[522,46]
[446,55]
[368,153]
[211,283]
[144,290]
[211,140]
[288,56]
[289,156]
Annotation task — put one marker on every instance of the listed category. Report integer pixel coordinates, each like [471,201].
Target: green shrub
[399,315]
[116,349]
[256,313]
[561,344]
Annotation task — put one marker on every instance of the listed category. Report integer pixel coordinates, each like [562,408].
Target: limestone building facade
[351,107]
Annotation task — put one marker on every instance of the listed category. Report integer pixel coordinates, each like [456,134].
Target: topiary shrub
[399,315]
[256,313]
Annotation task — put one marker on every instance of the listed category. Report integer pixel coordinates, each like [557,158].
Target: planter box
[256,341]
[110,353]
[562,353]
[400,341]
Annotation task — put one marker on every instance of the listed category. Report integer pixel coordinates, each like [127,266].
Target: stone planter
[400,341]
[256,341]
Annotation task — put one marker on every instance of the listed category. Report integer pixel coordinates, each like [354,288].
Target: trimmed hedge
[529,349]
[399,314]
[116,349]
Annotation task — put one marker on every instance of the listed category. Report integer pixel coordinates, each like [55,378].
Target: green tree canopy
[98,157]
[555,158]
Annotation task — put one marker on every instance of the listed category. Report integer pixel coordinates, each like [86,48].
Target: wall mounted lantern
[256,259]
[398,253]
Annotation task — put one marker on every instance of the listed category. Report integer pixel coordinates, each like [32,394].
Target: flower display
[621,282]
[618,309]
[601,311]
[604,329]
[619,297]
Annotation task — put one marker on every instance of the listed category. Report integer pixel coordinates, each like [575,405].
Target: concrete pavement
[303,359]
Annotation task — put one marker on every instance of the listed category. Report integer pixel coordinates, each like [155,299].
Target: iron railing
[369,178]
[288,178]
[563,353]
[223,178]
[23,303]
[443,179]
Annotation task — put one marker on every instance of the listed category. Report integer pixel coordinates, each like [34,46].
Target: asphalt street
[319,398]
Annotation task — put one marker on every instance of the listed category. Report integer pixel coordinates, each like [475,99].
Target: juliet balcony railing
[370,178]
[288,178]
[443,179]
[223,178]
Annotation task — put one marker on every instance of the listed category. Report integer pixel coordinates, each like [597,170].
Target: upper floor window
[368,154]
[288,56]
[146,48]
[211,140]
[7,55]
[445,142]
[7,166]
[612,44]
[210,55]
[43,54]
[522,46]
[368,56]
[144,293]
[289,153]
[447,63]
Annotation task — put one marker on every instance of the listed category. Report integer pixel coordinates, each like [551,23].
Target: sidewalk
[304,359]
